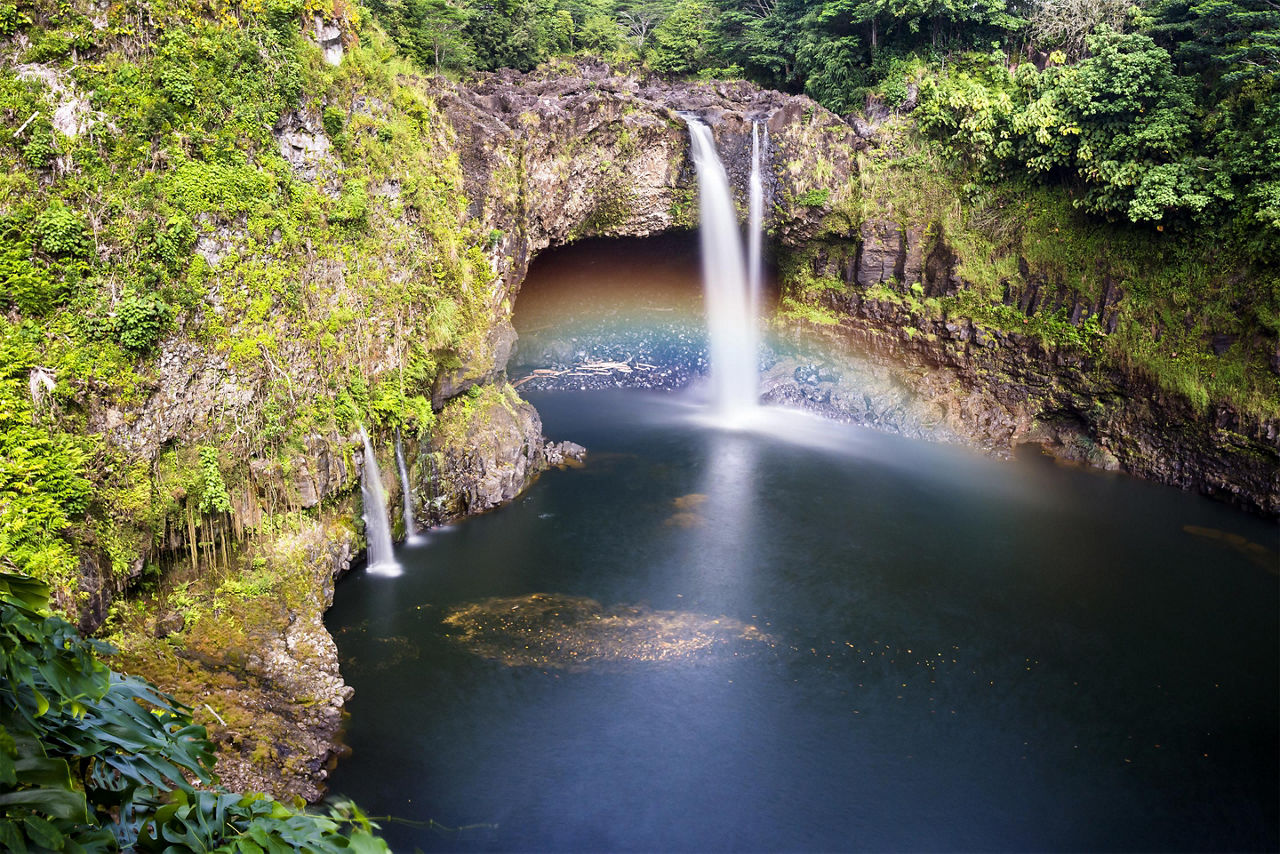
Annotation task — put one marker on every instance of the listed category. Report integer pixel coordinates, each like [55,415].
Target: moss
[1179,290]
[792,309]
[684,207]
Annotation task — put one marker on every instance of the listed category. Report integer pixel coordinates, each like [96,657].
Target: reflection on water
[1267,558]
[917,649]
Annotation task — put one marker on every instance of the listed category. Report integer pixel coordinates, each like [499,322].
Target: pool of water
[805,636]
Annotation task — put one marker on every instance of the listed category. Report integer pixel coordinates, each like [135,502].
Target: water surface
[815,637]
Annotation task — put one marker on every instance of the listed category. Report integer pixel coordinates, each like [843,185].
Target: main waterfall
[377,529]
[732,308]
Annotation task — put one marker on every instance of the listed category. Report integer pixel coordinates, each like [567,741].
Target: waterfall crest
[377,529]
[410,527]
[731,320]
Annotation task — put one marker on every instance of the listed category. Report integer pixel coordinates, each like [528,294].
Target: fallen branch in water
[586,369]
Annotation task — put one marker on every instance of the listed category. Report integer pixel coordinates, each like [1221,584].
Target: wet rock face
[289,678]
[485,450]
[889,254]
[582,150]
[954,380]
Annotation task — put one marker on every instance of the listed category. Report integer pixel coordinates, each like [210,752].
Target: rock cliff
[525,162]
[940,374]
[582,150]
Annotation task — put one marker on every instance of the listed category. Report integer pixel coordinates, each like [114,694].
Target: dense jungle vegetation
[1145,132]
[1154,112]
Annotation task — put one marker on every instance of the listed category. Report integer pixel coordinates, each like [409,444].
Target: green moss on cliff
[332,287]
[1186,309]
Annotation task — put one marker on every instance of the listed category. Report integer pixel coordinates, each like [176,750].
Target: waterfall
[731,323]
[410,529]
[755,224]
[377,530]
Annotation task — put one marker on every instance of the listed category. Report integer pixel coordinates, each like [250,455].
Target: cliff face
[983,383]
[580,151]
[437,197]
[577,151]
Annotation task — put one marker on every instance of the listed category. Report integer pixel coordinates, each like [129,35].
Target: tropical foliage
[1152,112]
[93,760]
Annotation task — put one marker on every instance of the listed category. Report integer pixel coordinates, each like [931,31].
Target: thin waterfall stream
[410,527]
[377,527]
[755,224]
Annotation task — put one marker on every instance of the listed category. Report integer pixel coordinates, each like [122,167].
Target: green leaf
[11,838]
[42,705]
[364,842]
[25,589]
[41,832]
[58,803]
[38,771]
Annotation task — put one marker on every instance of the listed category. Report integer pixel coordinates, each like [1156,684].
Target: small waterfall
[731,323]
[410,528]
[377,530]
[755,225]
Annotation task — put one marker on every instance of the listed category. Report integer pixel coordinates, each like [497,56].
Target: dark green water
[960,654]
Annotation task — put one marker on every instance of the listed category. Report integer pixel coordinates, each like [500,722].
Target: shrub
[352,208]
[169,245]
[333,121]
[815,198]
[11,20]
[40,148]
[178,86]
[141,320]
[25,285]
[213,490]
[61,232]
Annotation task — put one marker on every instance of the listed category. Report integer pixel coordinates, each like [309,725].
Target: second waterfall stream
[377,528]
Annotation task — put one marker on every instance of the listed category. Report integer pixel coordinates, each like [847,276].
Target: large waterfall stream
[731,301]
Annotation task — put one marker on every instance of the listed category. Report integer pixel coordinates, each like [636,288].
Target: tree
[1228,41]
[1121,125]
[511,33]
[680,43]
[638,23]
[763,37]
[1064,24]
[431,31]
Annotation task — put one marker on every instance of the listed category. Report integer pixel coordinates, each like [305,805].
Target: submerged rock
[564,454]
[560,631]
